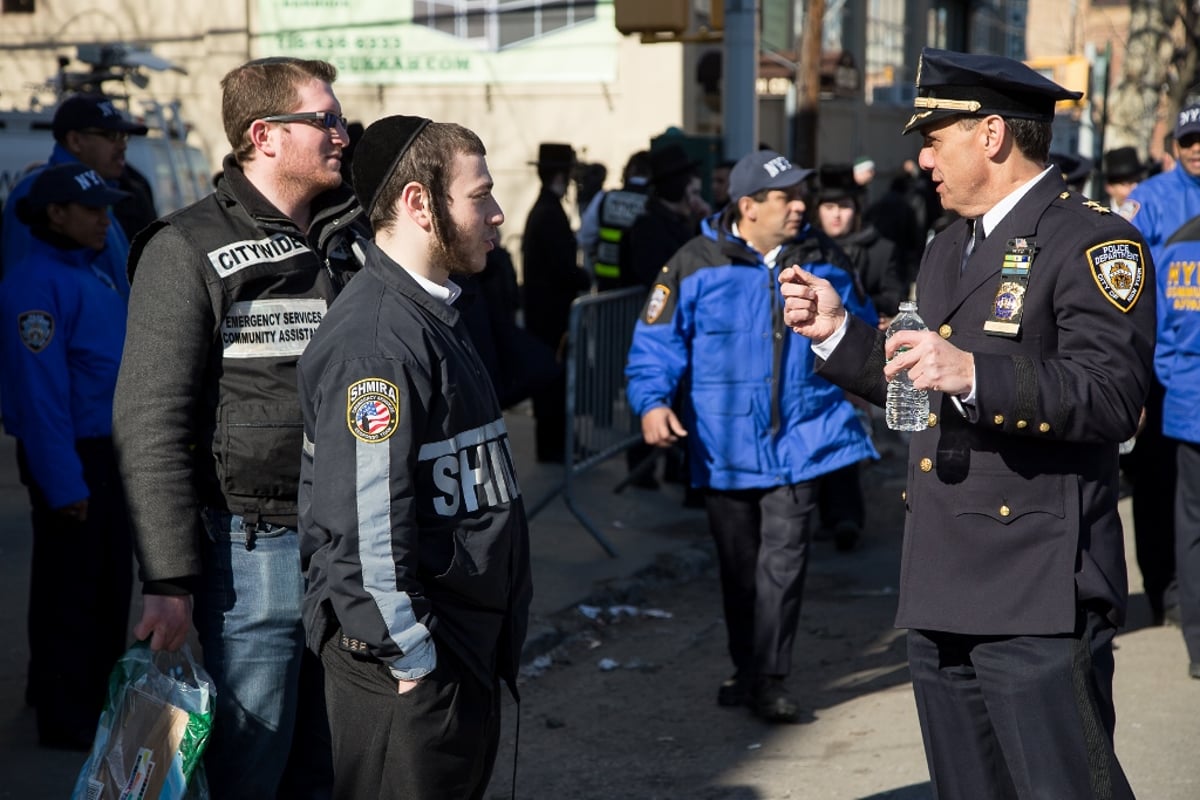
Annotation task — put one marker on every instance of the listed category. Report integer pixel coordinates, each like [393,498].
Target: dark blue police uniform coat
[1012,511]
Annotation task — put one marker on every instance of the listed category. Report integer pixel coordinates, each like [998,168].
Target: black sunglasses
[326,119]
[112,136]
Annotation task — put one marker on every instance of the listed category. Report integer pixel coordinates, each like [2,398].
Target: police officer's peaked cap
[964,84]
[377,153]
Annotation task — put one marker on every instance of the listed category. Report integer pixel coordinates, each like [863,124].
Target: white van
[179,174]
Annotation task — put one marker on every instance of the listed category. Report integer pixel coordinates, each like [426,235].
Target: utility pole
[808,84]
[740,93]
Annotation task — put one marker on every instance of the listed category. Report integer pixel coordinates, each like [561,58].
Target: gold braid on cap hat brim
[966,106]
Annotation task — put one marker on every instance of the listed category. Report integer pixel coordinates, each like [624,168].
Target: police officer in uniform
[62,325]
[1041,309]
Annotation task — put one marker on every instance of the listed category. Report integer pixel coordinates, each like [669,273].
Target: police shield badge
[1119,270]
[36,329]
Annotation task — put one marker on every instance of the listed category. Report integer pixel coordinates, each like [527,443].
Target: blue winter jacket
[62,327]
[757,416]
[17,239]
[1177,348]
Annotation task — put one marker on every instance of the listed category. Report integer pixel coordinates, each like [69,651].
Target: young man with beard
[226,296]
[413,531]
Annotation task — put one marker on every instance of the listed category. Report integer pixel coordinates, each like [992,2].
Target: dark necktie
[973,241]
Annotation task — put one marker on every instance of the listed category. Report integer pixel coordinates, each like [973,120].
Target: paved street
[865,746]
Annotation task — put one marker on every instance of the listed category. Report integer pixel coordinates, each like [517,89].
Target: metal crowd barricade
[600,423]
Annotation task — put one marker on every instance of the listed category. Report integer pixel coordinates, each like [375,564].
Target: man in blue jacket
[62,327]
[88,130]
[1177,366]
[765,427]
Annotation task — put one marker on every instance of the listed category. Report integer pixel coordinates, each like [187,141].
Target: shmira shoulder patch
[656,303]
[36,329]
[1119,270]
[372,409]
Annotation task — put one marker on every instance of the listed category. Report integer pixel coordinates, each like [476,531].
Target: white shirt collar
[769,258]
[999,211]
[447,294]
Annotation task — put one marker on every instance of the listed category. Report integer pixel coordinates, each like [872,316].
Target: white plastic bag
[153,730]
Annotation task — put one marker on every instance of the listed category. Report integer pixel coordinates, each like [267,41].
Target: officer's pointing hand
[812,307]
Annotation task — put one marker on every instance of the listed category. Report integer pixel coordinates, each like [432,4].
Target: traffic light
[653,16]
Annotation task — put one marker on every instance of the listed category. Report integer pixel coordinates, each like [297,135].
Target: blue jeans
[247,612]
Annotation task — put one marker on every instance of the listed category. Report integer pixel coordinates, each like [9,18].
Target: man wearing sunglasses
[88,130]
[226,295]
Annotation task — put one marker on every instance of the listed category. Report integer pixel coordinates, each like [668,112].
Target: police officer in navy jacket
[1041,311]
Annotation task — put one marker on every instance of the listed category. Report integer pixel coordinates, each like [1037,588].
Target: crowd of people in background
[186,449]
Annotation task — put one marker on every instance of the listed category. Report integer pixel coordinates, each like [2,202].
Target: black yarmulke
[377,153]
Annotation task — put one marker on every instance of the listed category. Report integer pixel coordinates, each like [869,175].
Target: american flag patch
[372,409]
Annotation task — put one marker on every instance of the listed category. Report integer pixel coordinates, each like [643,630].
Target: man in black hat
[1122,171]
[89,130]
[413,529]
[62,326]
[552,280]
[1038,360]
[227,294]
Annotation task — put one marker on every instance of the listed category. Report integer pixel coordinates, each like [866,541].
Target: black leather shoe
[845,536]
[1171,616]
[1194,669]
[773,702]
[735,691]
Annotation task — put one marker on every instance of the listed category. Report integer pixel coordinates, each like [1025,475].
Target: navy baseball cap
[70,183]
[965,84]
[82,111]
[1187,122]
[763,169]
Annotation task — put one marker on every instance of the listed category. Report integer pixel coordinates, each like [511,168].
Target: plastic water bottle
[907,408]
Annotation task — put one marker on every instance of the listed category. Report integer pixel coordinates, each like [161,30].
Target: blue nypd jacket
[62,327]
[1177,348]
[757,415]
[18,240]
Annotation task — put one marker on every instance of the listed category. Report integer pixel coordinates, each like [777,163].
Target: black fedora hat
[554,154]
[836,182]
[1122,164]
[668,160]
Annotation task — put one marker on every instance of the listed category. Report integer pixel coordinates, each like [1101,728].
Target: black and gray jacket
[412,528]
[228,293]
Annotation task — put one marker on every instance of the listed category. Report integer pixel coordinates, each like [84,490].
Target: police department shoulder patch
[656,303]
[372,409]
[1119,270]
[36,329]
